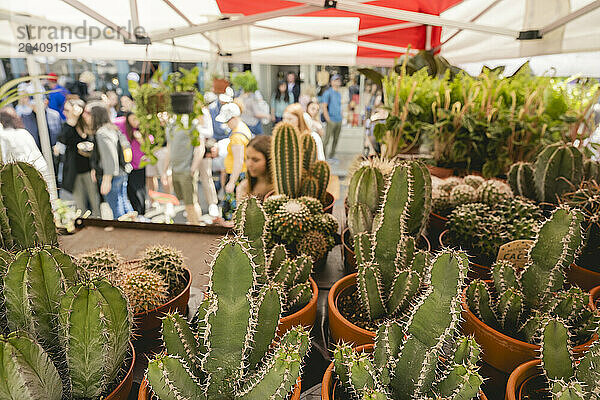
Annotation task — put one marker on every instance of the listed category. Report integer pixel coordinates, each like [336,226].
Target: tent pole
[568,18]
[98,17]
[40,112]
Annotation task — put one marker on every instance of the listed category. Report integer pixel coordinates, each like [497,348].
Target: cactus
[520,179]
[272,203]
[557,169]
[26,218]
[291,220]
[34,284]
[493,191]
[313,205]
[314,244]
[228,360]
[95,326]
[26,370]
[319,173]
[448,184]
[473,180]
[103,259]
[440,201]
[5,260]
[168,262]
[360,219]
[144,289]
[462,194]
[405,362]
[366,187]
[525,300]
[591,170]
[286,157]
[309,151]
[567,381]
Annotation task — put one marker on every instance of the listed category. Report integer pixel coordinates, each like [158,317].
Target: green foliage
[245,81]
[9,92]
[226,355]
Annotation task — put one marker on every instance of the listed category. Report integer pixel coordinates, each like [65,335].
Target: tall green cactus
[34,283]
[228,359]
[95,327]
[320,172]
[251,222]
[557,169]
[309,151]
[26,372]
[405,362]
[366,187]
[286,156]
[591,170]
[26,218]
[5,259]
[520,179]
[360,219]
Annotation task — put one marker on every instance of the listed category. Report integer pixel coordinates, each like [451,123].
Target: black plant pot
[182,102]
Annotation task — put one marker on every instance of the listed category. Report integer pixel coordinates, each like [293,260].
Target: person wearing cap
[56,98]
[214,107]
[236,153]
[331,103]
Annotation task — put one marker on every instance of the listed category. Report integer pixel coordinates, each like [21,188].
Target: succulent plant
[523,299]
[227,354]
[168,262]
[492,191]
[481,229]
[295,169]
[473,180]
[5,259]
[104,258]
[145,289]
[316,244]
[462,194]
[440,201]
[520,179]
[567,379]
[587,199]
[26,218]
[423,357]
[448,184]
[591,170]
[365,192]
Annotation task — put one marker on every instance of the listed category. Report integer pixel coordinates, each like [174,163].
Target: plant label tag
[515,252]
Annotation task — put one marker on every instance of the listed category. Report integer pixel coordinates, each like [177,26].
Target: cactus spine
[520,179]
[558,168]
[234,335]
[26,218]
[286,156]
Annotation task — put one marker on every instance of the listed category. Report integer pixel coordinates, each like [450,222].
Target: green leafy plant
[9,92]
[245,81]
[226,353]
[423,357]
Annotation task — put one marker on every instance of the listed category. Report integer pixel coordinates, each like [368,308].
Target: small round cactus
[143,288]
[103,258]
[325,223]
[492,191]
[314,244]
[440,201]
[168,262]
[448,184]
[313,205]
[463,194]
[291,220]
[272,203]
[473,180]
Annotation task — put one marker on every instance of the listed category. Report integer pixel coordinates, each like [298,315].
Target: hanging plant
[186,100]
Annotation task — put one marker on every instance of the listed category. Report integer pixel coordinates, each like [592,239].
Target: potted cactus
[562,376]
[505,313]
[230,349]
[296,171]
[390,266]
[273,264]
[422,357]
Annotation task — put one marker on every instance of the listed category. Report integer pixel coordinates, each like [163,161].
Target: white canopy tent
[281,32]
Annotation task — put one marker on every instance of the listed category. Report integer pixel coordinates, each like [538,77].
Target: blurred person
[16,144]
[214,107]
[258,180]
[109,158]
[331,104]
[235,166]
[53,121]
[205,128]
[77,177]
[113,102]
[184,161]
[293,86]
[252,114]
[295,115]
[280,100]
[136,180]
[58,96]
[125,105]
[314,110]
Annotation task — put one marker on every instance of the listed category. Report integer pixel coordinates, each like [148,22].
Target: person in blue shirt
[52,119]
[56,98]
[214,106]
[331,103]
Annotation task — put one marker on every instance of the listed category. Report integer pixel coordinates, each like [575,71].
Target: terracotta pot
[582,277]
[151,319]
[145,392]
[501,351]
[594,297]
[121,392]
[476,271]
[340,327]
[327,208]
[437,225]
[520,375]
[329,382]
[440,172]
[219,85]
[305,316]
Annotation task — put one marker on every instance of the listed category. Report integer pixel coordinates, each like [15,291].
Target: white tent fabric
[285,39]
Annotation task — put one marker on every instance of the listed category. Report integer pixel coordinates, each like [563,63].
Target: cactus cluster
[26,218]
[300,224]
[452,192]
[229,351]
[587,199]
[273,263]
[481,228]
[519,301]
[145,289]
[169,263]
[557,169]
[103,262]
[422,357]
[568,378]
[294,167]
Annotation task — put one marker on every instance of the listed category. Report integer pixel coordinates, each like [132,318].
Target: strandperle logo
[82,32]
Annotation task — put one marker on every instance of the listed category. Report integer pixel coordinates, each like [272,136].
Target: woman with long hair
[280,100]
[258,180]
[109,158]
[136,180]
[77,177]
[295,115]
